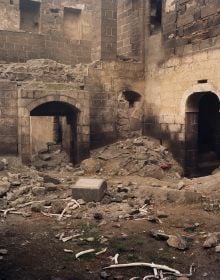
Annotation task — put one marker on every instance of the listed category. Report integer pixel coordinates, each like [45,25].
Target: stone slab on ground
[89,189]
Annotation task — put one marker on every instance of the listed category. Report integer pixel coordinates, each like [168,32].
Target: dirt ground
[146,192]
[34,252]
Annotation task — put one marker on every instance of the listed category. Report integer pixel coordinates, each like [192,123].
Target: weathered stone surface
[38,191]
[177,242]
[159,235]
[4,188]
[217,249]
[36,207]
[212,240]
[50,187]
[57,206]
[89,189]
[90,165]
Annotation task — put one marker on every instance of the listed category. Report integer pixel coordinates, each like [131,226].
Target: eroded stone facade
[134,66]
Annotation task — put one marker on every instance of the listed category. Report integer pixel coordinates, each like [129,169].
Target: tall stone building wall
[181,60]
[190,26]
[110,114]
[69,32]
[131,28]
[143,64]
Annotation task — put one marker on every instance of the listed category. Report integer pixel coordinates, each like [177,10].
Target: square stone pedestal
[89,189]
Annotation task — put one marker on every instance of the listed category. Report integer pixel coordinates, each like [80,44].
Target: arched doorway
[74,111]
[202,133]
[54,122]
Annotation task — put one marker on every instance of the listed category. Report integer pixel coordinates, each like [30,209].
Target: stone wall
[108,29]
[181,59]
[69,31]
[22,46]
[9,15]
[8,118]
[131,28]
[106,82]
[190,25]
[32,95]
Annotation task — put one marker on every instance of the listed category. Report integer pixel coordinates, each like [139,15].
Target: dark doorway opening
[202,134]
[155,16]
[54,123]
[30,15]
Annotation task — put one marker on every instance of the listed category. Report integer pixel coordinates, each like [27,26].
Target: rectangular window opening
[29,15]
[155,16]
[72,23]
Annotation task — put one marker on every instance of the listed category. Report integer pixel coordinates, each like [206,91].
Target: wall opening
[29,15]
[53,127]
[72,23]
[131,97]
[155,16]
[202,134]
[129,114]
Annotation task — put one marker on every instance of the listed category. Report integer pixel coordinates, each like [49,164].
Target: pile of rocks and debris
[141,156]
[44,70]
[52,157]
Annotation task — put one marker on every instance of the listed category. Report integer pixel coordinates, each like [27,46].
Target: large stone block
[89,189]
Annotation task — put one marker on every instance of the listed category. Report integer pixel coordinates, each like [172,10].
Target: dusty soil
[34,252]
[139,173]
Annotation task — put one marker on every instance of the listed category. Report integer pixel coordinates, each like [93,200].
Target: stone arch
[207,87]
[81,123]
[202,134]
[51,98]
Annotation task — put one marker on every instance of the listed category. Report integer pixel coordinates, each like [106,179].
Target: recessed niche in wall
[204,81]
[155,16]
[131,97]
[135,4]
[72,23]
[29,15]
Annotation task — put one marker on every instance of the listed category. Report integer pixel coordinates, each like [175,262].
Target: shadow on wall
[153,128]
[129,114]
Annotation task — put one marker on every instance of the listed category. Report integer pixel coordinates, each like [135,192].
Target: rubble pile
[43,70]
[31,191]
[52,157]
[141,156]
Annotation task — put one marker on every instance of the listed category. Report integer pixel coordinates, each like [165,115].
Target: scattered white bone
[101,252]
[143,211]
[30,203]
[6,211]
[68,238]
[54,215]
[151,265]
[134,278]
[115,258]
[76,202]
[18,213]
[68,251]
[61,236]
[155,272]
[84,252]
[73,204]
[3,251]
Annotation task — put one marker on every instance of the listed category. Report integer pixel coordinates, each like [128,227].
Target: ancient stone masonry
[191,25]
[125,67]
[131,28]
[182,60]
